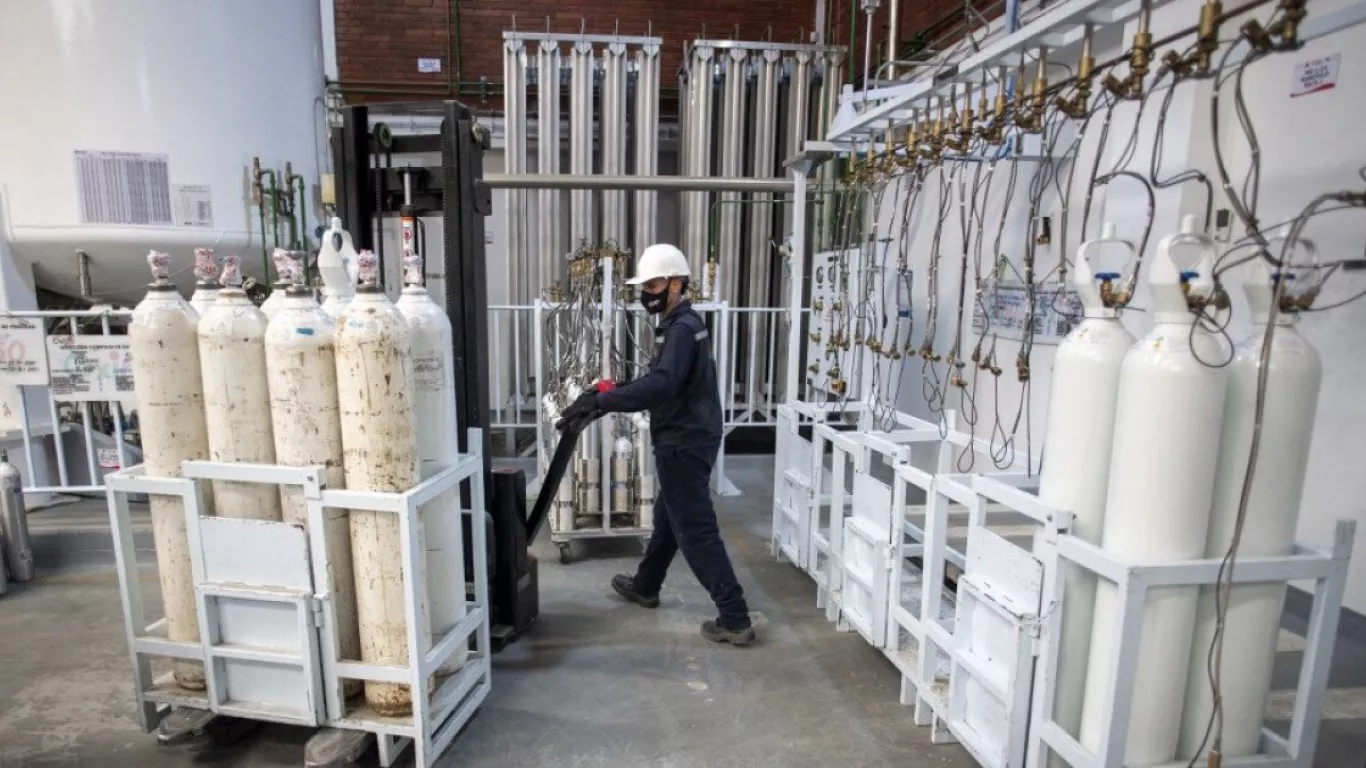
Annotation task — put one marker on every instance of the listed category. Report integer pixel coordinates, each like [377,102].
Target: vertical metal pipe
[613,122]
[550,213]
[759,281]
[893,20]
[515,219]
[647,141]
[735,76]
[581,143]
[796,280]
[798,109]
[701,82]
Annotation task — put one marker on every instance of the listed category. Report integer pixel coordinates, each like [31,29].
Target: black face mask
[654,301]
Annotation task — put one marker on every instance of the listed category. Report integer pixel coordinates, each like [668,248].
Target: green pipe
[274,213]
[256,174]
[454,4]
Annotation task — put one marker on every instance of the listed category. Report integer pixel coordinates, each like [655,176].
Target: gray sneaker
[713,631]
[625,586]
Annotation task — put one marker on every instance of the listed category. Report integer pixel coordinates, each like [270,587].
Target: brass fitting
[1287,28]
[1030,119]
[1256,36]
[837,386]
[1140,56]
[1207,43]
[1078,106]
[816,337]
[818,305]
[814,367]
[1179,67]
[1022,367]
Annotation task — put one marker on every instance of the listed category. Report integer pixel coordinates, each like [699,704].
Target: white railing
[40,420]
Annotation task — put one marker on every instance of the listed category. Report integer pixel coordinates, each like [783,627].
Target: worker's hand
[584,408]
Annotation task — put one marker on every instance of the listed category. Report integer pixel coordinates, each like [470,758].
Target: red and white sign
[1314,75]
[23,352]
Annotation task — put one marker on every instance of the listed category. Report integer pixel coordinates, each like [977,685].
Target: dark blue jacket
[680,391]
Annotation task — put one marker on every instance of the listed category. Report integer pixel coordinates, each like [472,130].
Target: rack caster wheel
[566,556]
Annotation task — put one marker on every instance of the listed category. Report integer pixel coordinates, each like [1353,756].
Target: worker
[681,394]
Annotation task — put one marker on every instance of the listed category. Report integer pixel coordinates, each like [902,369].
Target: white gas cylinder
[1157,505]
[1253,618]
[302,366]
[286,268]
[338,265]
[380,453]
[165,351]
[232,359]
[206,286]
[438,447]
[1080,431]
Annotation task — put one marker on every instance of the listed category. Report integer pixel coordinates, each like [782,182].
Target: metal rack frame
[437,715]
[1326,567]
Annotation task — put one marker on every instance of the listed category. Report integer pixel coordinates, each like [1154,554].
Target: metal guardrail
[43,428]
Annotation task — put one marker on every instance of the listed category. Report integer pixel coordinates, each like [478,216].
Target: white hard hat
[660,260]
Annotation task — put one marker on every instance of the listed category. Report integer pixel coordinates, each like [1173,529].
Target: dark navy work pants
[685,520]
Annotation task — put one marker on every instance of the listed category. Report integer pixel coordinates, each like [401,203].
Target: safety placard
[83,368]
[22,361]
[1314,75]
[1007,313]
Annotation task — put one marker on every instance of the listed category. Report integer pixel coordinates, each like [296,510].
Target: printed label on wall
[123,188]
[22,352]
[1007,304]
[193,205]
[1314,75]
[429,66]
[83,368]
[428,372]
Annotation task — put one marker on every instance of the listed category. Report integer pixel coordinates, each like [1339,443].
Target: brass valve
[1022,367]
[1256,36]
[1140,56]
[814,367]
[816,337]
[1287,28]
[837,386]
[838,306]
[1207,43]
[1178,66]
[1078,106]
[818,305]
[1030,119]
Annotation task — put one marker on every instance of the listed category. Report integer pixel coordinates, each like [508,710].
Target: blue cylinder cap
[1281,276]
[1188,274]
[1107,275]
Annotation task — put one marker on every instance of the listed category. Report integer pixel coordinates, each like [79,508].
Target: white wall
[1309,144]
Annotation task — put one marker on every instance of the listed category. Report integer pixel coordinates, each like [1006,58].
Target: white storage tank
[438,447]
[380,453]
[141,122]
[1080,432]
[1253,618]
[232,359]
[1157,505]
[166,380]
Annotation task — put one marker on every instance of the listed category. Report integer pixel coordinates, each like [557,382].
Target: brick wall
[380,41]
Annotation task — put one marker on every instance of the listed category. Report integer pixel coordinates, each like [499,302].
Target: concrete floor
[597,683]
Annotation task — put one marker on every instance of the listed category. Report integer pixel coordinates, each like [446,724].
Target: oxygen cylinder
[437,447]
[206,280]
[645,481]
[301,364]
[1253,617]
[14,522]
[1157,504]
[286,265]
[1081,416]
[338,268]
[379,453]
[232,357]
[621,475]
[166,379]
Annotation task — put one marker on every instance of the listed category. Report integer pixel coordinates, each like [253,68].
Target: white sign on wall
[83,368]
[1314,75]
[429,66]
[22,358]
